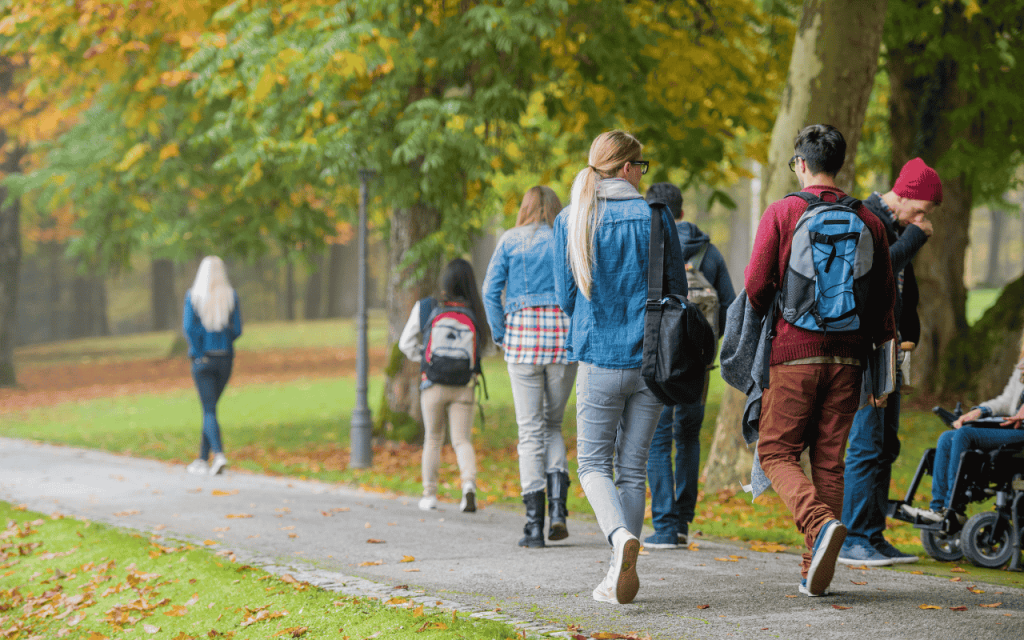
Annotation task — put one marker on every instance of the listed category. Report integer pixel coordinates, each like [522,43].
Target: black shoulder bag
[679,344]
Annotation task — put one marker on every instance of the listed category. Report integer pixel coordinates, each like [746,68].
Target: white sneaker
[621,583]
[198,467]
[219,462]
[924,514]
[428,503]
[468,504]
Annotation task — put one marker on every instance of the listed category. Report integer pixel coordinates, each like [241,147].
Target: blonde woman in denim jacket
[601,244]
[531,329]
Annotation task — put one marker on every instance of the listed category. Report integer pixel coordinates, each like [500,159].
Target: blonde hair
[608,153]
[540,204]
[212,297]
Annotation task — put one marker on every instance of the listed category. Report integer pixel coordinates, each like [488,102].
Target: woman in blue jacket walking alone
[212,322]
[531,329]
[601,254]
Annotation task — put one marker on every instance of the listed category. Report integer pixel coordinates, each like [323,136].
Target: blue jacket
[523,267]
[200,340]
[608,329]
[712,266]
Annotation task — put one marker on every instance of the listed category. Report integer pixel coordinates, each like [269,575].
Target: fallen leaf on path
[991,606]
[371,563]
[729,559]
[606,635]
[396,600]
[767,547]
[221,492]
[238,515]
[956,579]
[917,573]
[703,606]
[974,589]
[209,542]
[855,582]
[840,607]
[789,596]
[407,559]
[374,541]
[929,606]
[127,512]
[222,528]
[958,608]
[288,528]
[693,546]
[862,567]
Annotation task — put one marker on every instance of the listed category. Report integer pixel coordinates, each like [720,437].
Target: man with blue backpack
[874,438]
[820,272]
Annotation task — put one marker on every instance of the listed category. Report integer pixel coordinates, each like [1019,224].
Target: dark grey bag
[679,344]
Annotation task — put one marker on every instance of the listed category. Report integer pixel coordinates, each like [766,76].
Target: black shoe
[558,491]
[534,529]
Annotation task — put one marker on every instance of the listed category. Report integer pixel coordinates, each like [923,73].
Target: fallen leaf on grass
[176,610]
[991,606]
[958,570]
[191,601]
[292,632]
[127,512]
[703,606]
[371,563]
[840,607]
[407,559]
[374,541]
[238,515]
[221,492]
[209,542]
[263,613]
[417,612]
[860,583]
[606,635]
[396,600]
[929,606]
[97,636]
[148,628]
[432,625]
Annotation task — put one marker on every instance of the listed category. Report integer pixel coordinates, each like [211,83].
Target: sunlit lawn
[301,428]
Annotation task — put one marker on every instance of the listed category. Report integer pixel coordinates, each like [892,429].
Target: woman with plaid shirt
[531,329]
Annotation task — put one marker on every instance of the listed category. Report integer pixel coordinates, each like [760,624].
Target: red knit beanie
[918,181]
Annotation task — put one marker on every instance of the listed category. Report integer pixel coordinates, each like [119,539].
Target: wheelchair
[989,539]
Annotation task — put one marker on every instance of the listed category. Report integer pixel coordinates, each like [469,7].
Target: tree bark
[164,301]
[399,415]
[993,270]
[830,78]
[10,263]
[342,291]
[289,289]
[314,289]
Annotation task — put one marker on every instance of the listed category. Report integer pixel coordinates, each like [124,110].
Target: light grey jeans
[438,402]
[540,393]
[616,415]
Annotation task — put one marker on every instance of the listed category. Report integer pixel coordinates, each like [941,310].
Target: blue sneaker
[661,540]
[804,590]
[823,557]
[860,553]
[894,554]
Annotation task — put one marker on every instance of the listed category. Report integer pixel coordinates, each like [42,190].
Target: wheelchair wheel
[980,547]
[942,547]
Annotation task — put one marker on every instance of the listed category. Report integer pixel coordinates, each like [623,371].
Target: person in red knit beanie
[815,377]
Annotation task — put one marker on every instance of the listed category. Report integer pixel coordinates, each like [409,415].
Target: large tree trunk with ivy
[399,415]
[831,75]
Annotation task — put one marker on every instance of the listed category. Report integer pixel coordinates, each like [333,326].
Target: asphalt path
[355,541]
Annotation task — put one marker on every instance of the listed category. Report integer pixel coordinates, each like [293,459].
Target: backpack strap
[697,259]
[809,198]
[426,308]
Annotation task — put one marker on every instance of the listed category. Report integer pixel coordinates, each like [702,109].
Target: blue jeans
[874,444]
[211,374]
[540,393]
[952,445]
[616,415]
[674,496]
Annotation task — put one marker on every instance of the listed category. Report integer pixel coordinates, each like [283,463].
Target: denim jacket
[523,266]
[608,329]
[200,340]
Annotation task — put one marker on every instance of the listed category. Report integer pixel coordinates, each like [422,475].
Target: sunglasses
[792,162]
[643,164]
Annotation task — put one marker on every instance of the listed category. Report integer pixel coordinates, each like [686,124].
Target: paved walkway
[321,533]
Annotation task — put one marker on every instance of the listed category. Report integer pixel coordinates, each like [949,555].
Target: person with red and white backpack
[446,336]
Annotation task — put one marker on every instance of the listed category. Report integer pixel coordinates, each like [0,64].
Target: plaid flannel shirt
[536,335]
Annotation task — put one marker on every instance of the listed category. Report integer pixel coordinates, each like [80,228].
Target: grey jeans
[540,393]
[439,402]
[616,415]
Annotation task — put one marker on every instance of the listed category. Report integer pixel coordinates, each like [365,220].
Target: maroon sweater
[763,277]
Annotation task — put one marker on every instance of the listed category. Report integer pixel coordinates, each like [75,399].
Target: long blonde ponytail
[213,299]
[608,153]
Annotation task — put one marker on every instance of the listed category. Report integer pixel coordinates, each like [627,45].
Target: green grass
[61,577]
[979,301]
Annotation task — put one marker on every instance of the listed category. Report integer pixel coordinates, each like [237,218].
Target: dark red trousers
[808,406]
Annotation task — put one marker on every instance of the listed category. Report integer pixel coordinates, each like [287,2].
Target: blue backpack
[826,281]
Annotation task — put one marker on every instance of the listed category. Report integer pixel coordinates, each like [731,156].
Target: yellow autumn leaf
[374,541]
[265,85]
[238,515]
[215,492]
[396,600]
[929,606]
[133,156]
[176,610]
[407,559]
[371,563]
[992,605]
[209,542]
[172,151]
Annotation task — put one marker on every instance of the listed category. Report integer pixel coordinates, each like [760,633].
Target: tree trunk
[164,300]
[399,414]
[89,294]
[342,285]
[831,75]
[289,289]
[997,227]
[314,289]
[10,242]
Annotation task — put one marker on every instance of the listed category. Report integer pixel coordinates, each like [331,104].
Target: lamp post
[361,434]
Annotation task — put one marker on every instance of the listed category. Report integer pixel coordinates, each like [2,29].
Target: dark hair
[822,147]
[459,283]
[669,195]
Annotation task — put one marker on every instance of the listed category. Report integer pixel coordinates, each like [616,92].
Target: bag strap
[655,255]
[697,259]
[426,308]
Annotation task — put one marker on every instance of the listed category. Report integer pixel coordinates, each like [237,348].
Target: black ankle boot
[534,528]
[558,491]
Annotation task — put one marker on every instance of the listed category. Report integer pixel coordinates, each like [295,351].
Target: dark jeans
[211,374]
[674,496]
[874,446]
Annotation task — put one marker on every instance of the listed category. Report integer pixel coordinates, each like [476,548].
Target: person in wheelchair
[968,433]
